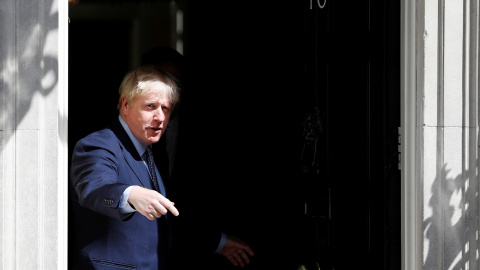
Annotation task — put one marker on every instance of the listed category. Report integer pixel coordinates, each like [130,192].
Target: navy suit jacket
[103,165]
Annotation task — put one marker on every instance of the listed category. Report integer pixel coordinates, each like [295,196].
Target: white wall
[440,124]
[33,115]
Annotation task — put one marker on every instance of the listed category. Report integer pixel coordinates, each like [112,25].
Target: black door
[351,181]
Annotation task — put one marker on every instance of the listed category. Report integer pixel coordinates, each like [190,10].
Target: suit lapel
[130,154]
[138,168]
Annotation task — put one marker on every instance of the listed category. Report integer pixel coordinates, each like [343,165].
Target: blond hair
[140,80]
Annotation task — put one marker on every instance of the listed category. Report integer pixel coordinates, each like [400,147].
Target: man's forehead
[153,85]
[154,95]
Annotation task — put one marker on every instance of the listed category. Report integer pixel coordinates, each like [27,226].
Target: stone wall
[33,106]
[447,133]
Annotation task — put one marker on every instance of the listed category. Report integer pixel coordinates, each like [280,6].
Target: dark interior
[293,122]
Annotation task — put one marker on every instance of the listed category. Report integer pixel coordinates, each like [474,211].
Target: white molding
[411,240]
[62,139]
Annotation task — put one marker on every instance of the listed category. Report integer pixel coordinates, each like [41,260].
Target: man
[122,217]
[121,212]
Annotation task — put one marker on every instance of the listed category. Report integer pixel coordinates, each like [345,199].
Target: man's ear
[124,105]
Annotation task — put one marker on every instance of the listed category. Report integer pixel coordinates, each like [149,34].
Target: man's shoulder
[105,132]
[104,138]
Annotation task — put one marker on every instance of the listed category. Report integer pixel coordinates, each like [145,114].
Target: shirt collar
[138,145]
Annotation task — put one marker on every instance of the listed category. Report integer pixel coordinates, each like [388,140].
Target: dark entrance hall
[293,116]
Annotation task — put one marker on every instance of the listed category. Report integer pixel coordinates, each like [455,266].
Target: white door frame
[411,231]
[62,260]
[410,194]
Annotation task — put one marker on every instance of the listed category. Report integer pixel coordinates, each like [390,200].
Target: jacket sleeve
[94,176]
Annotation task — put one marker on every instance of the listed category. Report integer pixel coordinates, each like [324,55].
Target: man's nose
[159,115]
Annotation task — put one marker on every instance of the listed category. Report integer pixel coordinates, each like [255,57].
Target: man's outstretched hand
[150,203]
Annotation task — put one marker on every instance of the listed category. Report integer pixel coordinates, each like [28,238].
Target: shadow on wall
[29,65]
[451,231]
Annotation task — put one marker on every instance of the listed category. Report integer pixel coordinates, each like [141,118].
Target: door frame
[410,200]
[410,151]
[62,141]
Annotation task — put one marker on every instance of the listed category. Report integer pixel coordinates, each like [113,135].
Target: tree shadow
[29,65]
[451,231]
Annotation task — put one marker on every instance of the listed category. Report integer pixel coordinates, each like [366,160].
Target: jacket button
[108,201]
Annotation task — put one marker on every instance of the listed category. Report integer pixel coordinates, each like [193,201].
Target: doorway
[262,72]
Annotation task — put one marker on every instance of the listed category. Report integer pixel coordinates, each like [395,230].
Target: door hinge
[399,148]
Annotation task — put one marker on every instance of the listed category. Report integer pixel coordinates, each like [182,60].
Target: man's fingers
[245,248]
[163,208]
[156,213]
[249,251]
[166,204]
[151,203]
[238,259]
[244,257]
[173,210]
[233,260]
[160,208]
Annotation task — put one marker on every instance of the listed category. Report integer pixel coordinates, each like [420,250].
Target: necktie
[151,167]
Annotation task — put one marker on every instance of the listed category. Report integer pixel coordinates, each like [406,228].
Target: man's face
[147,116]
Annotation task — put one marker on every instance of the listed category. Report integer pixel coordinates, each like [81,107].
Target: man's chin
[154,139]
